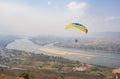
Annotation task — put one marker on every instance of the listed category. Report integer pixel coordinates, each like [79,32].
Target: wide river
[91,57]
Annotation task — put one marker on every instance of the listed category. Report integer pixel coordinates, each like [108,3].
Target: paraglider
[77,26]
[76,40]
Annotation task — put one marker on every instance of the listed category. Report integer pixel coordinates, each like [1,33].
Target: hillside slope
[8,77]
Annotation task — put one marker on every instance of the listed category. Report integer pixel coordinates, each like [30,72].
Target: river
[91,57]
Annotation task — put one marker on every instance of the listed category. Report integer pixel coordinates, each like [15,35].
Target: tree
[41,66]
[24,75]
[58,66]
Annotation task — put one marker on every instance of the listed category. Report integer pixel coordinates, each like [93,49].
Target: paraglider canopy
[77,26]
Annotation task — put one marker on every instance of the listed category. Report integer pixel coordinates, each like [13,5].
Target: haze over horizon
[49,17]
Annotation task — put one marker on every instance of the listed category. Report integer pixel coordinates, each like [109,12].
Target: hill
[2,76]
[40,66]
[5,40]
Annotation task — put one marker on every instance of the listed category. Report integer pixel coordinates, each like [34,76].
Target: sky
[49,17]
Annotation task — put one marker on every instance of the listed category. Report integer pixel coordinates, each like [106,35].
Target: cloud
[23,19]
[76,6]
[49,3]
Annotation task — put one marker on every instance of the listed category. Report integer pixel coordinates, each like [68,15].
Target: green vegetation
[24,75]
[58,66]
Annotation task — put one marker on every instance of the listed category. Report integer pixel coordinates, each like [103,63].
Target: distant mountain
[5,40]
[104,34]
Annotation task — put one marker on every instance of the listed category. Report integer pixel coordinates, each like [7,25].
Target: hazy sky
[49,17]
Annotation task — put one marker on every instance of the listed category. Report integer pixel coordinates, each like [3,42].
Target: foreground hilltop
[40,66]
[2,76]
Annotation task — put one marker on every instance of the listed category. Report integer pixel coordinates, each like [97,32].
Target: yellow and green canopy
[77,26]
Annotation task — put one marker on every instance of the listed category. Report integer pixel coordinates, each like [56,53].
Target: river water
[97,58]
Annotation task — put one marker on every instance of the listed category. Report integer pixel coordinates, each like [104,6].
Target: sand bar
[61,52]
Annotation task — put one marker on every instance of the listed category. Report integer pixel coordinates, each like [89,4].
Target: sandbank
[61,52]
